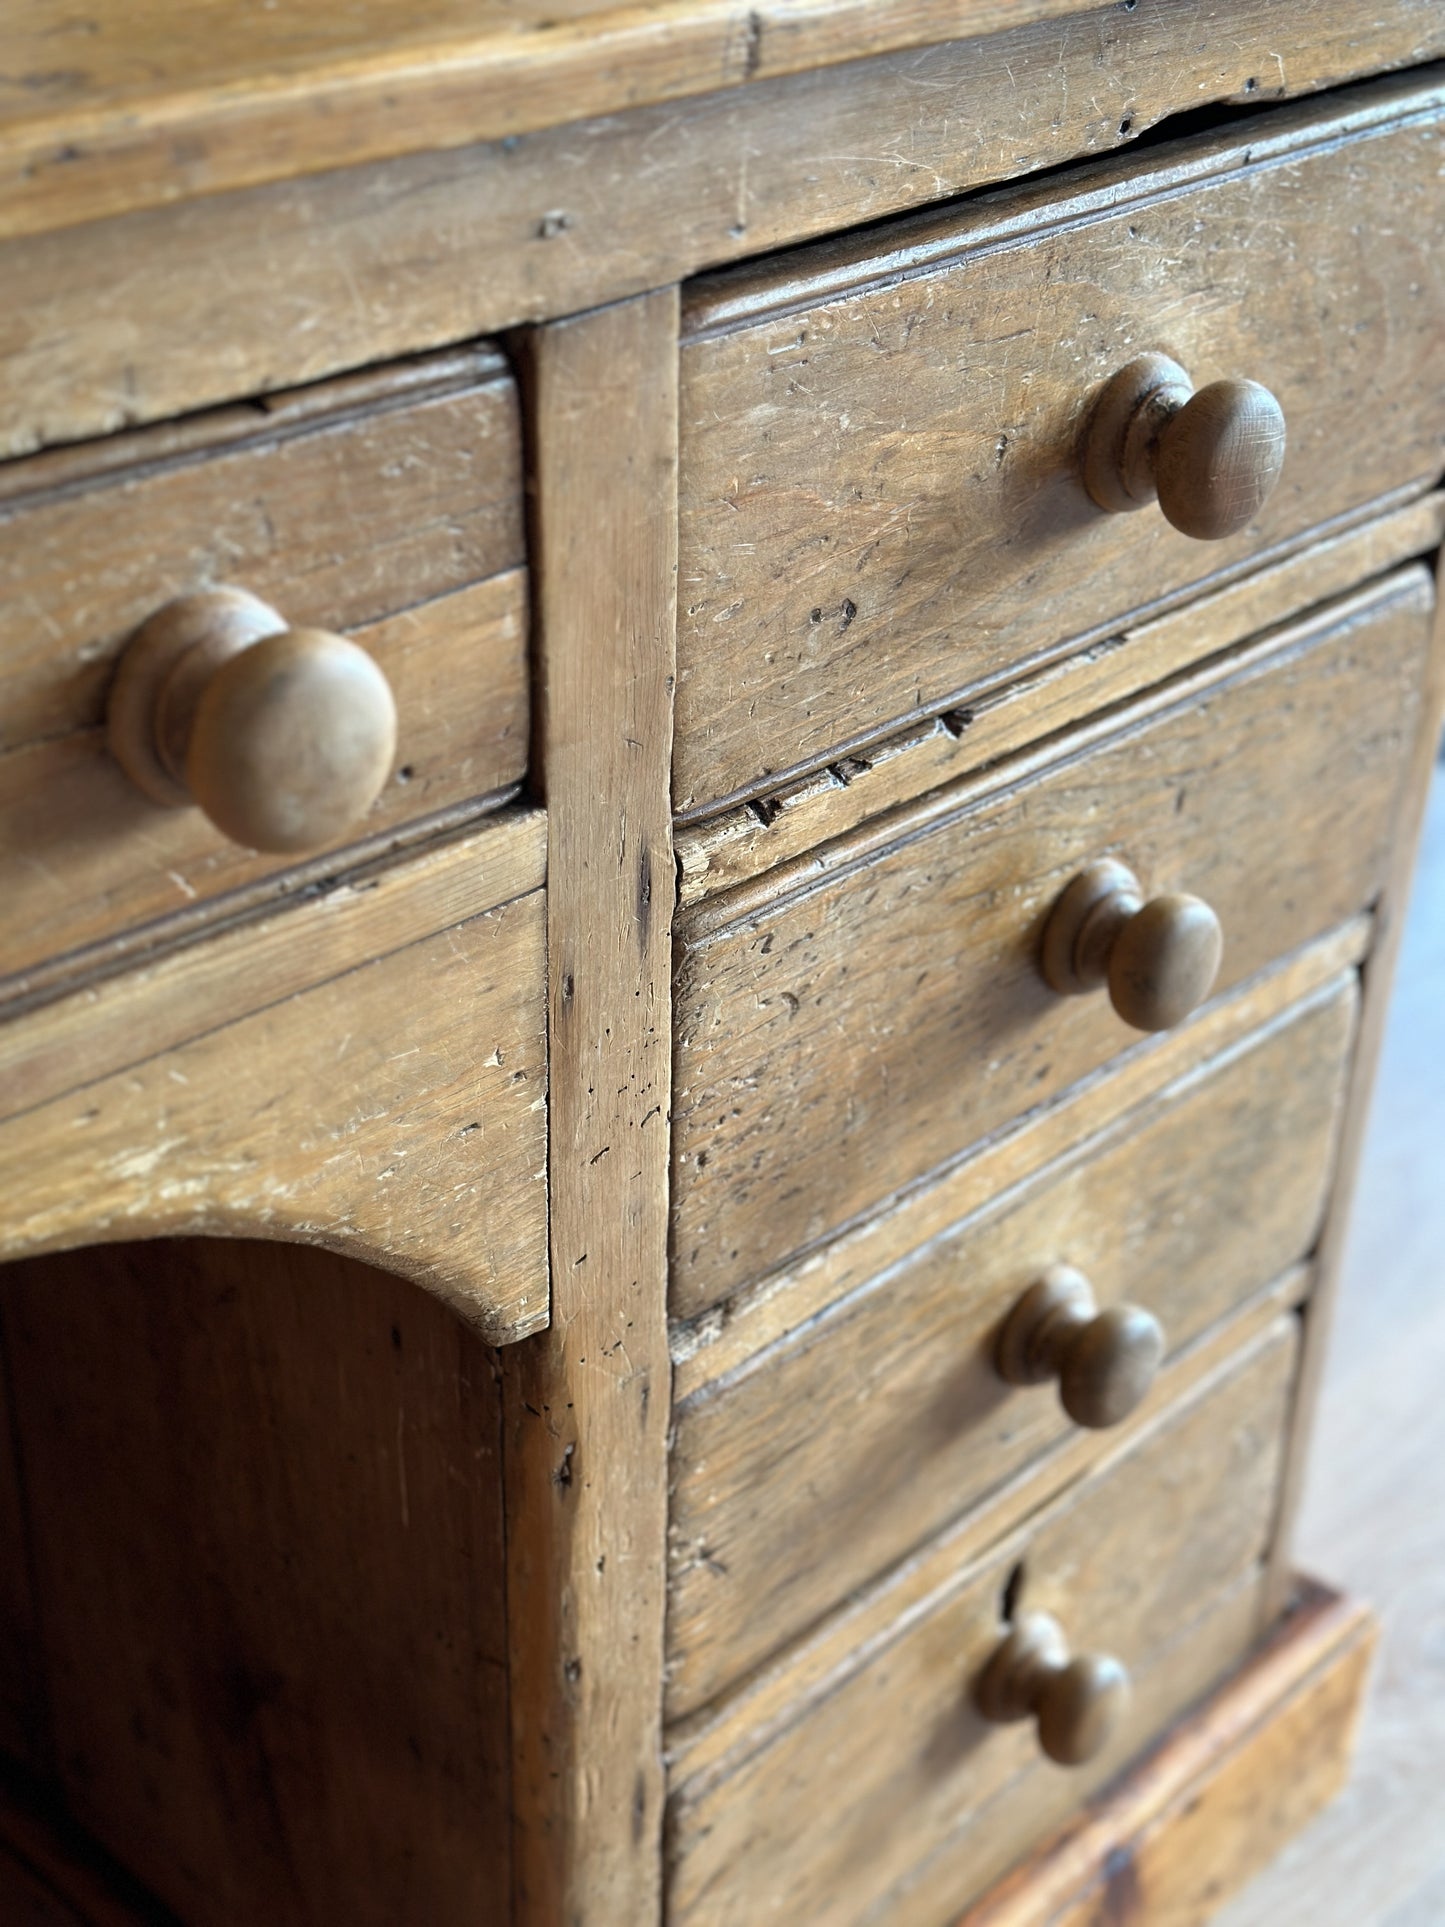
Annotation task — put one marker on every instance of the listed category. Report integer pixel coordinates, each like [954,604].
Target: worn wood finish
[814,1076]
[394,511]
[275,285]
[881,504]
[740,844]
[51,1876]
[1200,1816]
[95,873]
[839,1449]
[1155,1558]
[367,1073]
[267,1543]
[587,1403]
[704,1745]
[719,1341]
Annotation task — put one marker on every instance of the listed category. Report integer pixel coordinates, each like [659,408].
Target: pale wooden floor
[1374,1516]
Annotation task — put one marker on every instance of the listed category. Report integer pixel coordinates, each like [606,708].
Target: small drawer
[883,509]
[838,1044]
[804,1474]
[889,1784]
[385,507]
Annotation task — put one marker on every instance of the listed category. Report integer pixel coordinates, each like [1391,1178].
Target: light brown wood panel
[340,518]
[1200,1816]
[743,843]
[881,504]
[833,1453]
[88,864]
[815,1075]
[272,285]
[588,1402]
[265,1487]
[372,1080]
[826,1820]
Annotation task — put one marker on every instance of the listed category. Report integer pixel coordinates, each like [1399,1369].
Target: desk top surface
[124,104]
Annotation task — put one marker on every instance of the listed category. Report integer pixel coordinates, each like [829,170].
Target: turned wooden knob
[1104,1361]
[1210,456]
[284,737]
[1159,959]
[1078,1703]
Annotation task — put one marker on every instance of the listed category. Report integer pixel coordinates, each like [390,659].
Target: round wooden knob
[284,737]
[1210,456]
[1078,1702]
[1159,959]
[1104,1361]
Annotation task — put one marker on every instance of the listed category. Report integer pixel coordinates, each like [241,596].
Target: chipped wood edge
[1379,973]
[587,1401]
[708,1745]
[726,850]
[62,168]
[1209,1807]
[724,1338]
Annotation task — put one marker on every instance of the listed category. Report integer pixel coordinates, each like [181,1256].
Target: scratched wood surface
[388,506]
[804,1474]
[816,1073]
[130,105]
[264,1534]
[881,504]
[365,1070]
[268,286]
[890,1779]
[587,1402]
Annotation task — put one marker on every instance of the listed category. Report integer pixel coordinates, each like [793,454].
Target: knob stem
[1159,959]
[1078,1702]
[1104,1361]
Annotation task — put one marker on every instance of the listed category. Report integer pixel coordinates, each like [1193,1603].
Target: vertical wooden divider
[587,1401]
[1379,973]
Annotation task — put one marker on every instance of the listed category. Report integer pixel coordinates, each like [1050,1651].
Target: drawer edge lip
[1016,214]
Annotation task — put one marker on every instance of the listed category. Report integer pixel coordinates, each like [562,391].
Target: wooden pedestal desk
[713,722]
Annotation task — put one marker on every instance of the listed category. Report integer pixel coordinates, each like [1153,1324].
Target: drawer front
[837,1045]
[1153,1560]
[387,508]
[882,509]
[802,1476]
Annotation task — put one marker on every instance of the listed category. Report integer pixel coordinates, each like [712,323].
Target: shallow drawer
[882,510]
[808,1471]
[1154,1560]
[386,507]
[364,1070]
[841,1042]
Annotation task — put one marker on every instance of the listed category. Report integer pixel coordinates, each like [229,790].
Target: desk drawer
[386,506]
[882,505]
[807,1472]
[841,1042]
[1153,1560]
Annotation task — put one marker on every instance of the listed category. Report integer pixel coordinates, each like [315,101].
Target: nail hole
[1126,123]
[1013,1587]
[405,773]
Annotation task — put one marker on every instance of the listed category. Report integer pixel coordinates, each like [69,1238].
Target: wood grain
[881,504]
[743,843]
[125,110]
[587,1403]
[88,863]
[361,1082]
[835,1452]
[1146,1559]
[265,1491]
[268,286]
[1198,1818]
[813,1077]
